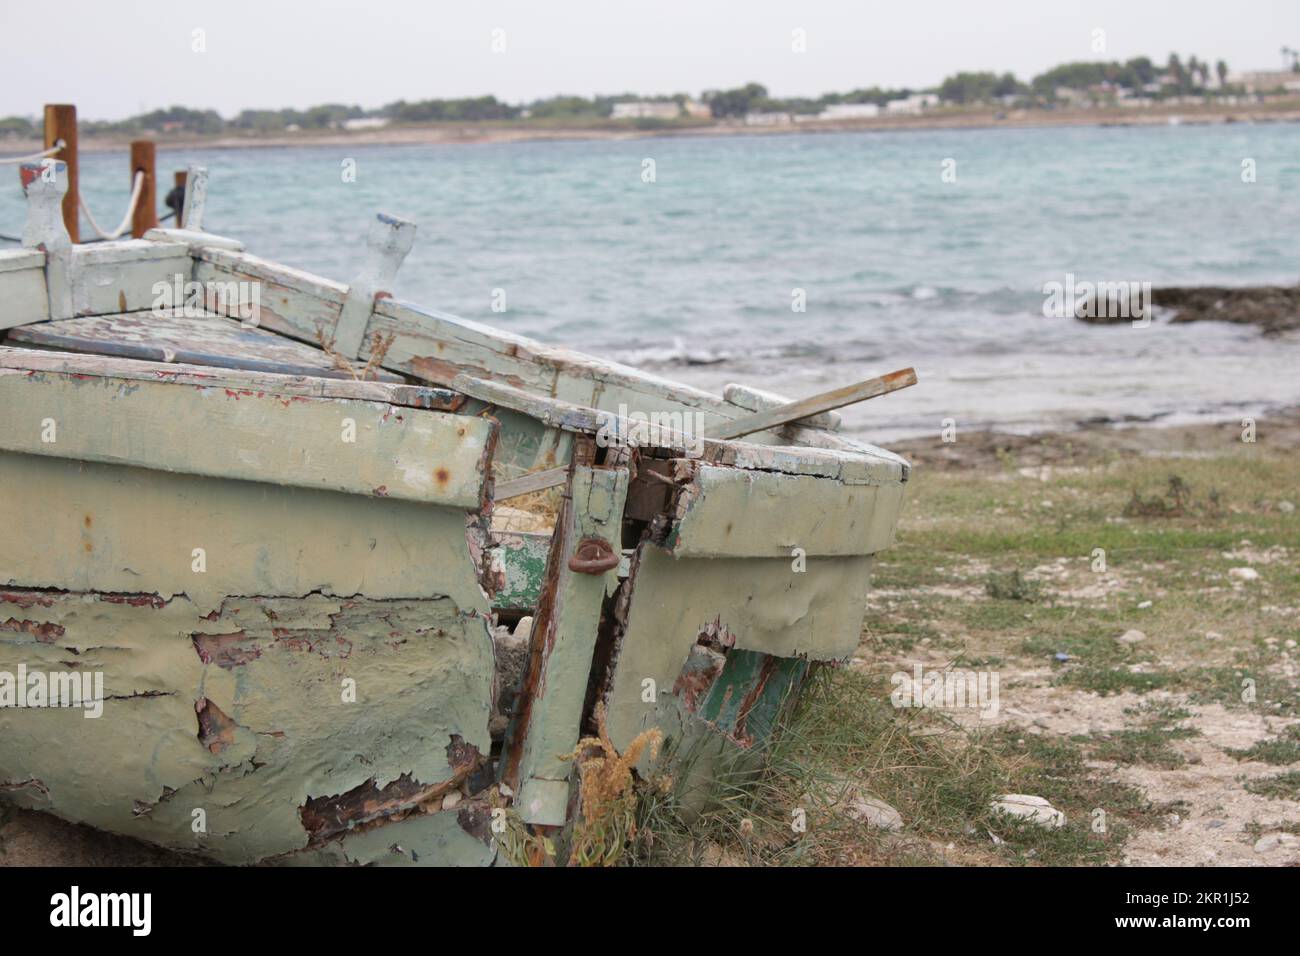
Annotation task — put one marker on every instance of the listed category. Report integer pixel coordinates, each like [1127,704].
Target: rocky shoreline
[1275,309]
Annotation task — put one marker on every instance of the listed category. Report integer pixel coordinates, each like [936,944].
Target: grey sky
[117,58]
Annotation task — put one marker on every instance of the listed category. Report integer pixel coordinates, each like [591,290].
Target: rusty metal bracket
[593,556]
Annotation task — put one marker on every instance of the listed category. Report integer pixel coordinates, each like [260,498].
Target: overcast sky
[115,58]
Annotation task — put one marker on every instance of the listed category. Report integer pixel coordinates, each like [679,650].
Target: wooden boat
[309,594]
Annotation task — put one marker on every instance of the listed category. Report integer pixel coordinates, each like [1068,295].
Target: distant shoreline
[523,131]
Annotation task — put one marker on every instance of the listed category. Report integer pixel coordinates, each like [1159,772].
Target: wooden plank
[61,124]
[239,380]
[561,651]
[356,447]
[756,400]
[533,481]
[293,302]
[523,564]
[23,297]
[732,513]
[171,335]
[815,405]
[89,526]
[122,276]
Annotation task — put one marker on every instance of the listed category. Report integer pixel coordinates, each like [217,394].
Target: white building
[768,119]
[912,105]
[366,122]
[849,111]
[1266,81]
[646,109]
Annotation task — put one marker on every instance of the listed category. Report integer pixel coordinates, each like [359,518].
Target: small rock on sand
[1029,808]
[1285,507]
[1273,841]
[1244,574]
[1131,637]
[874,813]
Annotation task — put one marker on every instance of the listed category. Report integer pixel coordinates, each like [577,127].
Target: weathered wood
[23,297]
[61,124]
[767,609]
[145,216]
[387,243]
[177,335]
[293,302]
[194,240]
[815,405]
[357,447]
[196,198]
[410,396]
[731,513]
[533,481]
[757,400]
[46,187]
[562,647]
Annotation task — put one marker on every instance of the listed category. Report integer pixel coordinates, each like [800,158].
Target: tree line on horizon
[1140,74]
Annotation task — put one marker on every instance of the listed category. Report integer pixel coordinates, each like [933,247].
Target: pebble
[1244,574]
[1029,808]
[1285,507]
[1131,637]
[1272,841]
[1144,605]
[875,813]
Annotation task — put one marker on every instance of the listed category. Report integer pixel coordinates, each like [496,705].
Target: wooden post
[146,210]
[61,124]
[178,182]
[196,198]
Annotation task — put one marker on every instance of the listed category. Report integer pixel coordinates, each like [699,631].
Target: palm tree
[1222,69]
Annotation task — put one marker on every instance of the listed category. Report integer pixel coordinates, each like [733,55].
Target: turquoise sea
[692,275]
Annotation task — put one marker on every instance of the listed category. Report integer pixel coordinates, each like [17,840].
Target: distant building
[697,110]
[912,105]
[1266,81]
[366,122]
[768,119]
[849,111]
[646,109]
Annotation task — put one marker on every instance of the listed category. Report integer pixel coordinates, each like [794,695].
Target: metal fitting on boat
[593,556]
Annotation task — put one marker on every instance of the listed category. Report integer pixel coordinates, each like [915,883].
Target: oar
[807,407]
[757,422]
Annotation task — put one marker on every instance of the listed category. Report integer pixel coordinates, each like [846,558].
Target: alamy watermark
[945,689]
[53,689]
[1098,300]
[238,299]
[651,430]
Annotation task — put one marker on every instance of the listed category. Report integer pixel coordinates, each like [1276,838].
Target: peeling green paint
[275,669]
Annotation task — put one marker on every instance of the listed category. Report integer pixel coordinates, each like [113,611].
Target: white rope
[58,145]
[125,224]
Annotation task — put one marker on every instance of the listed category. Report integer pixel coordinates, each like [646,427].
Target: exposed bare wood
[815,405]
[534,481]
[411,396]
[196,198]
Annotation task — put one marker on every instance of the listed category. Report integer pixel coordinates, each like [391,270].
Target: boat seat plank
[175,335]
